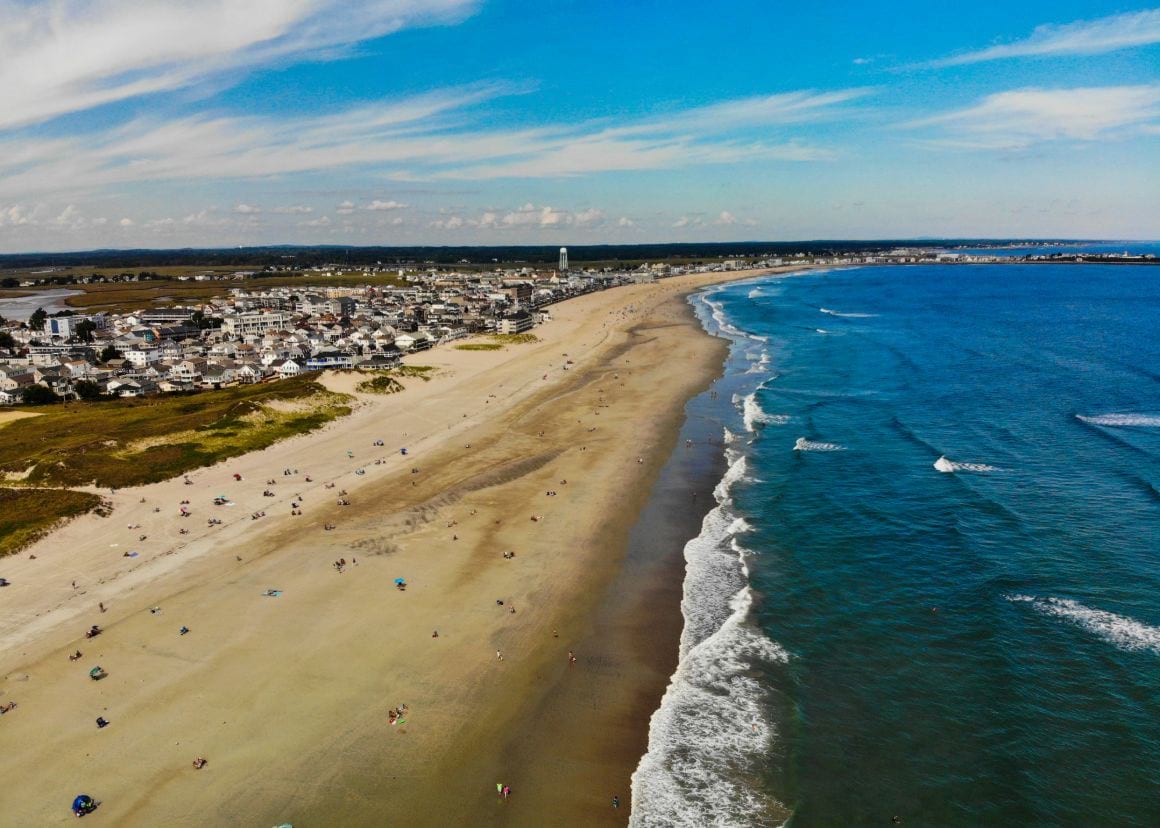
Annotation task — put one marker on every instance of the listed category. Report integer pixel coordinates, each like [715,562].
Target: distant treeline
[537,254]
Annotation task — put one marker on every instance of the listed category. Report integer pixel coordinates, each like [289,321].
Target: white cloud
[324,221]
[625,221]
[1084,37]
[345,209]
[377,205]
[449,223]
[727,219]
[247,209]
[206,218]
[71,55]
[688,221]
[590,217]
[1022,117]
[429,136]
[126,222]
[293,210]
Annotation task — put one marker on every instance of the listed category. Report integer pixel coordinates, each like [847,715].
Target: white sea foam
[848,315]
[1125,633]
[760,366]
[753,294]
[821,330]
[802,444]
[1122,420]
[755,417]
[730,437]
[711,725]
[718,314]
[950,466]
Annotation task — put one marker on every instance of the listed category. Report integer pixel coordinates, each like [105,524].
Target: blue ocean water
[931,589]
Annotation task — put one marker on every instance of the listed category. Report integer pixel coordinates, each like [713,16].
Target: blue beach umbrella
[400,581]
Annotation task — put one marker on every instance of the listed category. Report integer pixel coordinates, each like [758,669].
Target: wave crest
[1122,420]
[802,444]
[950,466]
[830,312]
[1125,633]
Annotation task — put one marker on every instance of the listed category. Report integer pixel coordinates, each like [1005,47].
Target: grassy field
[132,442]
[26,515]
[480,346]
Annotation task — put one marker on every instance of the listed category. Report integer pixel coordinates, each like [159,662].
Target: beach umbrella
[400,581]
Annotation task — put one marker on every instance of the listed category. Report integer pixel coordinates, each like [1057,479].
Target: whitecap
[848,315]
[1122,420]
[950,466]
[802,444]
[1125,633]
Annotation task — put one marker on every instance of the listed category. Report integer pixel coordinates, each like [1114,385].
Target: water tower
[563,260]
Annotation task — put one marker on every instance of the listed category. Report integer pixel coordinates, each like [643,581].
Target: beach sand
[288,696]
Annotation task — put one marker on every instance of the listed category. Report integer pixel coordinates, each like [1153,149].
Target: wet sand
[288,696]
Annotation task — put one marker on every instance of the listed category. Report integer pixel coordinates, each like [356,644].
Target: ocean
[931,586]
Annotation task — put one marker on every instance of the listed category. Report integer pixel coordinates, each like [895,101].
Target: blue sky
[216,123]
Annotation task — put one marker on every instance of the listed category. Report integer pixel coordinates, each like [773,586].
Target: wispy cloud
[71,55]
[1084,37]
[1020,118]
[433,136]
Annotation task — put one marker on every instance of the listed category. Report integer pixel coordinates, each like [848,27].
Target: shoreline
[325,659]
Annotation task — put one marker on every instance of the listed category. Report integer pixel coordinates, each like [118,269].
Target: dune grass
[421,371]
[515,339]
[26,515]
[382,383]
[480,346]
[131,442]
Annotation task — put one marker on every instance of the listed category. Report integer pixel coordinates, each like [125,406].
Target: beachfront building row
[261,336]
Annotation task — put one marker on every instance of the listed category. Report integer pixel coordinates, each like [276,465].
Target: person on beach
[498,655]
[616,802]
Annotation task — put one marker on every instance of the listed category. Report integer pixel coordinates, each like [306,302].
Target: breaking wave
[950,466]
[1122,420]
[802,444]
[1125,633]
[708,735]
[754,416]
[760,366]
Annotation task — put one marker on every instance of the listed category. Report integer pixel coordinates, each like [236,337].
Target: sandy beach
[545,450]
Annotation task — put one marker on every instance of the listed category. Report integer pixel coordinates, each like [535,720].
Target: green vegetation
[420,371]
[39,395]
[515,339]
[498,341]
[130,442]
[26,515]
[381,383]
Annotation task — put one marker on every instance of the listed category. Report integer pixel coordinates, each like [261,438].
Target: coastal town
[249,335]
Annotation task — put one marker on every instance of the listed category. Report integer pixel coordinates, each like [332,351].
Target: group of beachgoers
[84,804]
[397,715]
